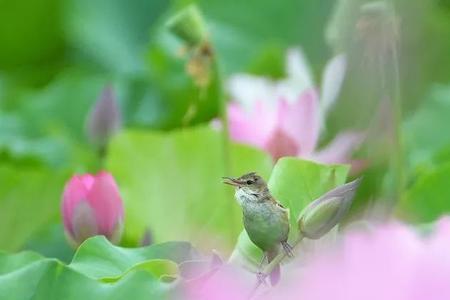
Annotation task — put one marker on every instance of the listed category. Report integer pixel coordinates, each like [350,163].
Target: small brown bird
[266,221]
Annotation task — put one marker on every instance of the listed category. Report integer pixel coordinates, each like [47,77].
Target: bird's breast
[265,225]
[243,198]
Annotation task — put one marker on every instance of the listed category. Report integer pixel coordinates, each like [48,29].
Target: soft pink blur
[391,263]
[285,118]
[91,205]
[226,283]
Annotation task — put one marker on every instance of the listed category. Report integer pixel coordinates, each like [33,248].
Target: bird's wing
[274,201]
[285,211]
[278,204]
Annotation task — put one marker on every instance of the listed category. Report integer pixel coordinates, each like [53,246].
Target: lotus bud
[105,118]
[321,215]
[91,205]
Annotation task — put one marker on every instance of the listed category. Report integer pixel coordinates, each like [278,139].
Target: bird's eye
[249,182]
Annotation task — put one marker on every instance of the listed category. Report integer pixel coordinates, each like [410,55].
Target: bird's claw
[288,249]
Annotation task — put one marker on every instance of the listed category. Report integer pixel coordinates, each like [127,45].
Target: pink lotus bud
[105,118]
[91,205]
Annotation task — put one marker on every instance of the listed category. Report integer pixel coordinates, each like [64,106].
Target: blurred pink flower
[391,263]
[285,117]
[226,283]
[91,205]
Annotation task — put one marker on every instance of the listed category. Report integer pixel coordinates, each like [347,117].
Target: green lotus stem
[225,136]
[102,153]
[397,130]
[224,119]
[279,258]
[390,85]
[394,92]
[190,26]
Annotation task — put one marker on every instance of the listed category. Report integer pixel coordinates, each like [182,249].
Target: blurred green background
[56,57]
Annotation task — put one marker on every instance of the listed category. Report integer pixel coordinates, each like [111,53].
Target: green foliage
[97,258]
[178,100]
[243,37]
[171,183]
[421,129]
[113,34]
[99,270]
[56,57]
[50,241]
[428,198]
[428,159]
[30,32]
[28,201]
[57,141]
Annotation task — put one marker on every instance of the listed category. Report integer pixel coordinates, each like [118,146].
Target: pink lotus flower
[285,117]
[392,262]
[91,205]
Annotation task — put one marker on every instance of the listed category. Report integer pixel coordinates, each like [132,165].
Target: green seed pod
[188,25]
[321,215]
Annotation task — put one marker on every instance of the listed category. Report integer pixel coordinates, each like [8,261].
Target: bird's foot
[288,249]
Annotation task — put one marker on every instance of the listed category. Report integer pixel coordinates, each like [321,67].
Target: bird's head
[251,183]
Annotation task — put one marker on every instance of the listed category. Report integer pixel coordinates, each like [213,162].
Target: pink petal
[297,67]
[252,127]
[367,266]
[88,180]
[105,200]
[341,148]
[83,222]
[75,191]
[301,121]
[443,227]
[280,145]
[333,76]
[248,89]
[433,271]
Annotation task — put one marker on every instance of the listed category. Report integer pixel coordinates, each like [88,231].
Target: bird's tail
[276,272]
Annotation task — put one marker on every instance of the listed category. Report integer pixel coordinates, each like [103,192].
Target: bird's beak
[231,181]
